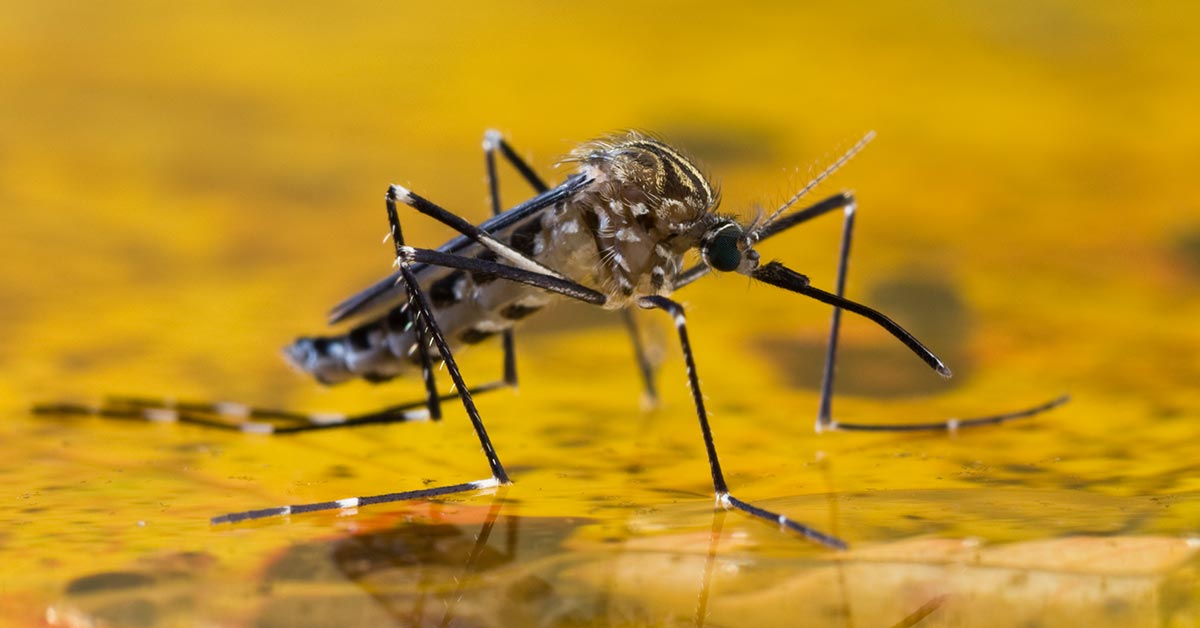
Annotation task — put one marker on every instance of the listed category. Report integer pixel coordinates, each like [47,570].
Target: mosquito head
[726,247]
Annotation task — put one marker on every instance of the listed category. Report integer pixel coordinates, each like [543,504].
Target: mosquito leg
[820,208]
[724,498]
[825,422]
[645,367]
[355,502]
[844,201]
[506,340]
[405,257]
[952,425]
[386,288]
[456,222]
[493,141]
[234,416]
[422,312]
[825,413]
[416,297]
[238,417]
[550,283]
[433,401]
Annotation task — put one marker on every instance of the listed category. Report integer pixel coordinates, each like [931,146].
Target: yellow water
[186,188]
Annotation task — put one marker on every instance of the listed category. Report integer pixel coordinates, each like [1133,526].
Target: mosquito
[616,233]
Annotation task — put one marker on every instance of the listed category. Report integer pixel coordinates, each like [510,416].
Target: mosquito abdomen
[469,309]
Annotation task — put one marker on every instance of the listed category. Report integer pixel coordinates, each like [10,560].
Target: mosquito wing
[386,293]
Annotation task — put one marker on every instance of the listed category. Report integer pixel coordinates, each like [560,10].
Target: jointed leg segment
[493,141]
[243,418]
[422,314]
[825,420]
[724,498]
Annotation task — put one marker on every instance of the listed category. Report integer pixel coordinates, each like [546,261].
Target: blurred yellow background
[187,186]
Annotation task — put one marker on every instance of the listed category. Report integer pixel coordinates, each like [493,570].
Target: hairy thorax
[627,232]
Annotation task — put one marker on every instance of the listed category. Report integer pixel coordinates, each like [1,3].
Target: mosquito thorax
[647,205]
[649,170]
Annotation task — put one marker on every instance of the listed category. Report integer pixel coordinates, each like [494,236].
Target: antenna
[834,167]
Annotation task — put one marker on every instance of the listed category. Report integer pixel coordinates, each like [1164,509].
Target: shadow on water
[491,569]
[414,573]
[506,570]
[417,574]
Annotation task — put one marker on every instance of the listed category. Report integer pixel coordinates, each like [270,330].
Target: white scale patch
[160,415]
[401,193]
[533,300]
[395,343]
[491,140]
[602,222]
[489,325]
[232,410]
[619,259]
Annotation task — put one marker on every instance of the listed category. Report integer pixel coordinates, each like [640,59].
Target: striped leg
[406,257]
[532,273]
[724,498]
[825,421]
[448,218]
[422,315]
[246,418]
[493,142]
[239,417]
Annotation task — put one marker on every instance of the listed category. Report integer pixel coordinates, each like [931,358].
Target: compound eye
[722,252]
